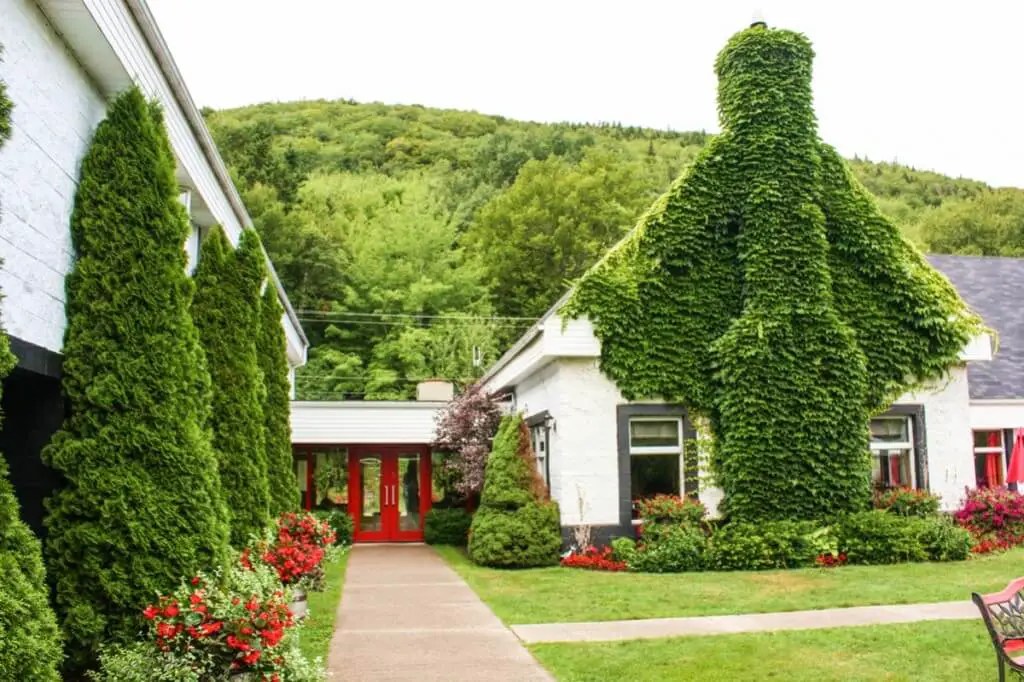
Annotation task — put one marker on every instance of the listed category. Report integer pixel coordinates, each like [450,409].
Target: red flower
[171,610]
[195,581]
[151,612]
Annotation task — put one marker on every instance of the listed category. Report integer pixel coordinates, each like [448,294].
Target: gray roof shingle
[993,287]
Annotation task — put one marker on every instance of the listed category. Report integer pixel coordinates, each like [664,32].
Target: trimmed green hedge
[140,504]
[515,527]
[767,293]
[226,312]
[30,647]
[277,433]
[447,527]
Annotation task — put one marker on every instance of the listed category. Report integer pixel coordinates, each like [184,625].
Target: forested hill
[419,242]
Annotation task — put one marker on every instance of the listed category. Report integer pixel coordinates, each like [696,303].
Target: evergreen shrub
[447,527]
[515,526]
[226,312]
[877,537]
[140,504]
[943,540]
[669,548]
[341,523]
[30,647]
[273,361]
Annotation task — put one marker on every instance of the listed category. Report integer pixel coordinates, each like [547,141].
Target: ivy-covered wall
[766,292]
[30,647]
[141,505]
[273,358]
[226,311]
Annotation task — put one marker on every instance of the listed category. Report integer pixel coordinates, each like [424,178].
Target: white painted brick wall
[586,448]
[537,393]
[947,418]
[56,109]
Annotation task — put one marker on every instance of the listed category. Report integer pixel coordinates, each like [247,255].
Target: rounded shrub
[877,537]
[907,502]
[515,527]
[277,436]
[770,544]
[341,523]
[943,540]
[140,503]
[226,312]
[665,548]
[447,527]
[671,509]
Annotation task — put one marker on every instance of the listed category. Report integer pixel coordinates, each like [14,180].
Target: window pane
[330,479]
[890,430]
[437,477]
[891,468]
[660,433]
[302,479]
[988,469]
[651,475]
[988,439]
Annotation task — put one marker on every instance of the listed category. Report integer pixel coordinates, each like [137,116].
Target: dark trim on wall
[623,413]
[541,419]
[917,415]
[37,359]
[600,535]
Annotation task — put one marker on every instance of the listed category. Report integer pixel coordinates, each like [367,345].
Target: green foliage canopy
[226,312]
[141,505]
[766,291]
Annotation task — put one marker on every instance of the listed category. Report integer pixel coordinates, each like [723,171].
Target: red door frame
[389,477]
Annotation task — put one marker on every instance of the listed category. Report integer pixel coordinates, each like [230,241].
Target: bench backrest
[1004,615]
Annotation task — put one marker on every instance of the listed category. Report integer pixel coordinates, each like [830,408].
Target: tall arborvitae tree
[29,638]
[140,506]
[226,310]
[284,493]
[767,292]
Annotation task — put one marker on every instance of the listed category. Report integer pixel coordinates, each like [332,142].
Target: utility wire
[446,316]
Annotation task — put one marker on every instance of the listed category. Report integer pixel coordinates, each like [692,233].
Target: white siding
[997,414]
[537,393]
[585,451]
[947,417]
[56,109]
[363,422]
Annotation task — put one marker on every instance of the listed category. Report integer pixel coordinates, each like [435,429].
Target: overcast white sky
[907,80]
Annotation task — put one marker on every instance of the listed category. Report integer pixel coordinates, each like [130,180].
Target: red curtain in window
[895,479]
[992,468]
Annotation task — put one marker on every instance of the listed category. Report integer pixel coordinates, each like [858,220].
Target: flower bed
[994,517]
[595,559]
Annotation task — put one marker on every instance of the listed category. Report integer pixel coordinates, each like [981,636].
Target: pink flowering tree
[463,433]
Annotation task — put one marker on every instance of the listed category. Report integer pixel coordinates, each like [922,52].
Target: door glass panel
[409,495]
[330,479]
[370,503]
[302,479]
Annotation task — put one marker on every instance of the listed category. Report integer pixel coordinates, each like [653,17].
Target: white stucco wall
[947,416]
[56,109]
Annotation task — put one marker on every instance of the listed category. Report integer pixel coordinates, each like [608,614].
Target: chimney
[435,390]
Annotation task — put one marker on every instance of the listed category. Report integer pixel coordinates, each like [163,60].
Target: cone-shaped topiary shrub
[767,292]
[140,505]
[30,646]
[516,525]
[273,358]
[226,311]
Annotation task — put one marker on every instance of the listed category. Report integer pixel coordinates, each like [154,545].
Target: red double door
[389,492]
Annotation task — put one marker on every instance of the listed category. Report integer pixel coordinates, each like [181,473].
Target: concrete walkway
[405,615]
[720,625]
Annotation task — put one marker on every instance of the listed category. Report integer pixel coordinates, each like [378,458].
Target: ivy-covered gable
[767,292]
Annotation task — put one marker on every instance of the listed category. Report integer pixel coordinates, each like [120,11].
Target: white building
[597,447]
[62,61]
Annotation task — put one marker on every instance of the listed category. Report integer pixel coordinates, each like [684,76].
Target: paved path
[719,625]
[405,615]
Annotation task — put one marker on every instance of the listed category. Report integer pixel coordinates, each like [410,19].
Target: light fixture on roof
[758,20]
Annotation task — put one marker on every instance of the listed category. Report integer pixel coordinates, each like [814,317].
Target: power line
[423,316]
[406,323]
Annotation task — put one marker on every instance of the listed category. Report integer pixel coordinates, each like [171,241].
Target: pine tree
[766,291]
[276,405]
[140,507]
[226,311]
[516,525]
[30,647]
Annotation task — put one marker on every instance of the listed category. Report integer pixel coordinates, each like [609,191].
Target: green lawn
[551,595]
[317,628]
[940,651]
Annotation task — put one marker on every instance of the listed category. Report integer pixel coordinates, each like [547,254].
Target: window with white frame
[989,458]
[892,452]
[539,437]
[655,456]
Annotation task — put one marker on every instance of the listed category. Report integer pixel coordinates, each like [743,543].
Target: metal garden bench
[1003,613]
